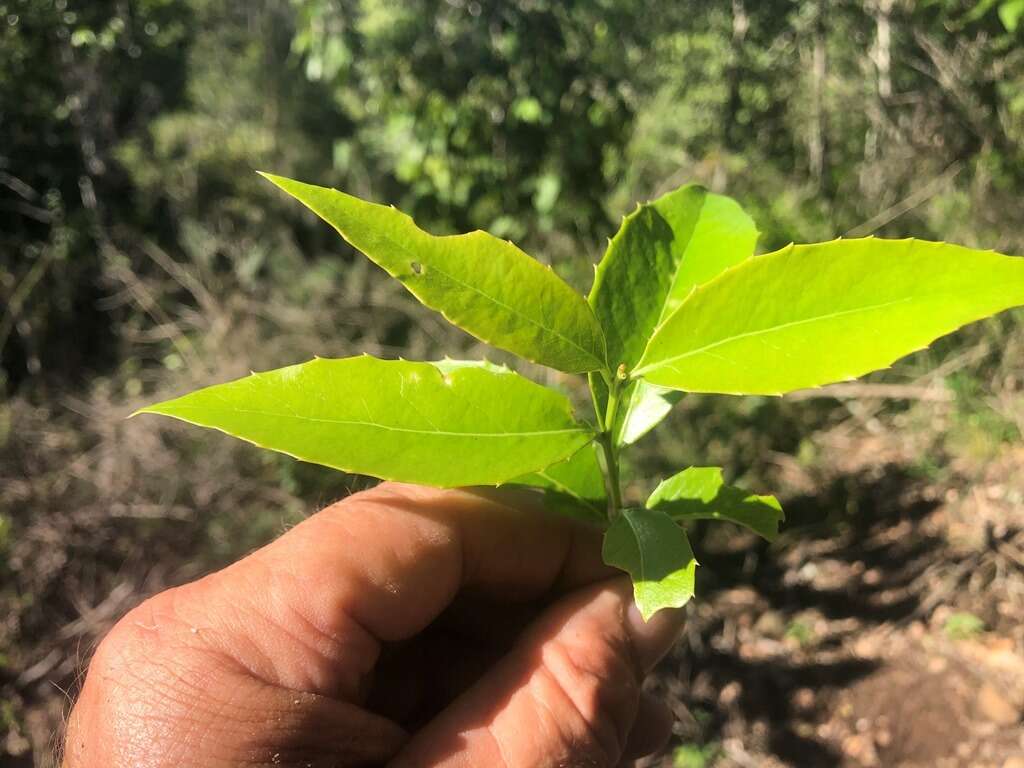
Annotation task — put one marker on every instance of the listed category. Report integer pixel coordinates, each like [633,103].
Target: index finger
[394,557]
[383,564]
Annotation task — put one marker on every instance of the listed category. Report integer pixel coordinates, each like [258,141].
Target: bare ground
[855,640]
[843,644]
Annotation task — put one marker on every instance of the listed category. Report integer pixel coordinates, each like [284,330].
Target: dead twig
[21,294]
[869,391]
[909,203]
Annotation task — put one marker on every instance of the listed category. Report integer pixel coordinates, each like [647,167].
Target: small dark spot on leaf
[416,267]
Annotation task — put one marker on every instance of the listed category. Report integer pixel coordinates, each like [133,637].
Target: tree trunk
[816,139]
[882,52]
[740,25]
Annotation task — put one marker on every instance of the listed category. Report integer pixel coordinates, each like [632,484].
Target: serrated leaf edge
[155,410]
[638,372]
[644,612]
[654,503]
[602,364]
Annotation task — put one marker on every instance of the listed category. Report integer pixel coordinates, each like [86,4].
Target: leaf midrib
[487,296]
[664,300]
[639,546]
[386,427]
[766,331]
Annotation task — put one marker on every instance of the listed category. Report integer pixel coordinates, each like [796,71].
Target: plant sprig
[680,303]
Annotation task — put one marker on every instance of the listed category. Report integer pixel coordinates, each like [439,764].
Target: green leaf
[574,487]
[484,285]
[661,252]
[644,406]
[809,315]
[447,365]
[701,493]
[1010,13]
[443,425]
[656,553]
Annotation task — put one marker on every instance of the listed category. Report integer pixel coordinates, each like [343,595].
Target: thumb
[567,695]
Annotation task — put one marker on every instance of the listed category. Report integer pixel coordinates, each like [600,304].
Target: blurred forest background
[140,256]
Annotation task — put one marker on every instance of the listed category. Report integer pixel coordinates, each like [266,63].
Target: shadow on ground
[768,643]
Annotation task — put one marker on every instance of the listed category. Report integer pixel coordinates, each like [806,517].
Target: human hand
[404,626]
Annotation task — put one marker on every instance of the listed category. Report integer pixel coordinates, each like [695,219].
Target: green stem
[606,423]
[614,490]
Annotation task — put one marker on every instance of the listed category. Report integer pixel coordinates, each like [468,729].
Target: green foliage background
[138,124]
[128,133]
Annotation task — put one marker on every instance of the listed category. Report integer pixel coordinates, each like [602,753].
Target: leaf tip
[646,611]
[278,181]
[153,410]
[649,608]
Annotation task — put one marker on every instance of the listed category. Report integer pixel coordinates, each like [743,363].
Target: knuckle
[126,657]
[130,639]
[140,667]
[149,691]
[598,681]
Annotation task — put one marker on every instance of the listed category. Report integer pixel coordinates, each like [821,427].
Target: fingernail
[653,638]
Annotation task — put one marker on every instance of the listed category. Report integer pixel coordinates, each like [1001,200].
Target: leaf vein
[771,329]
[639,546]
[492,299]
[390,428]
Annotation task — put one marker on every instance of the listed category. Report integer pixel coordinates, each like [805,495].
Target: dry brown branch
[909,203]
[869,391]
